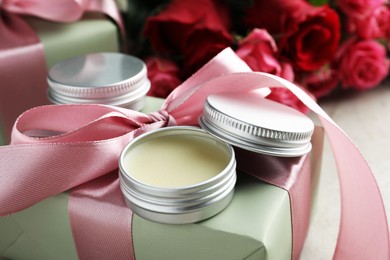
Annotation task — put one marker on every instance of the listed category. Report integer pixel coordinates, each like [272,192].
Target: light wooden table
[365,117]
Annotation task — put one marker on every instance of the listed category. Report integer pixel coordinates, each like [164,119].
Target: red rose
[307,35]
[163,75]
[361,64]
[196,30]
[258,49]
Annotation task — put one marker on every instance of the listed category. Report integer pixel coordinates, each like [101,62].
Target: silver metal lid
[103,78]
[257,124]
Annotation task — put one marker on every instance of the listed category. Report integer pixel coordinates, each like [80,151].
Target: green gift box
[255,225]
[123,5]
[93,33]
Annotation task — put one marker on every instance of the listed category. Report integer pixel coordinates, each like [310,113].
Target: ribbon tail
[300,200]
[94,203]
[363,227]
[363,232]
[23,70]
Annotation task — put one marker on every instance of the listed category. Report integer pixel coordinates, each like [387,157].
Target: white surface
[364,116]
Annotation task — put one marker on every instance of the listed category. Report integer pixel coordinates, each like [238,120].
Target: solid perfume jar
[257,124]
[177,175]
[99,78]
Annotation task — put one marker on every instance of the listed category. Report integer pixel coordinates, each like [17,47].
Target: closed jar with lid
[257,124]
[99,78]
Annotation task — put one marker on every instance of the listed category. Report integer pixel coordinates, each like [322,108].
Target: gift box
[123,5]
[255,225]
[93,33]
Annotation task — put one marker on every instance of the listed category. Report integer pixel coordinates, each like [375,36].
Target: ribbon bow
[88,139]
[22,64]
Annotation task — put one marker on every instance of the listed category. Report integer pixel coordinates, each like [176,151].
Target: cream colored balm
[177,175]
[174,161]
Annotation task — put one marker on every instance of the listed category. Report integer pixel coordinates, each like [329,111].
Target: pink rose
[163,75]
[359,8]
[194,30]
[307,35]
[321,83]
[258,49]
[361,64]
[374,25]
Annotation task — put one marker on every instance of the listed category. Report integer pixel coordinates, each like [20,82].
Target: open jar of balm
[100,78]
[177,175]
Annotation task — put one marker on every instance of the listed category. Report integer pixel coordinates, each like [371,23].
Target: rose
[307,35]
[361,64]
[163,75]
[258,49]
[374,25]
[322,82]
[196,30]
[359,8]
[315,41]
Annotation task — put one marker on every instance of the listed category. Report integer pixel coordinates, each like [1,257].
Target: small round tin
[257,124]
[177,175]
[99,78]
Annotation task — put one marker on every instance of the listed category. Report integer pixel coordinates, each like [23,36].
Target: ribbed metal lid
[257,124]
[104,78]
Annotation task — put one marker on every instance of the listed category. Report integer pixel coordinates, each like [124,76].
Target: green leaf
[318,2]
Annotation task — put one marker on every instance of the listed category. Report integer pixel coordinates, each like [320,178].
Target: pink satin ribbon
[91,137]
[22,63]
